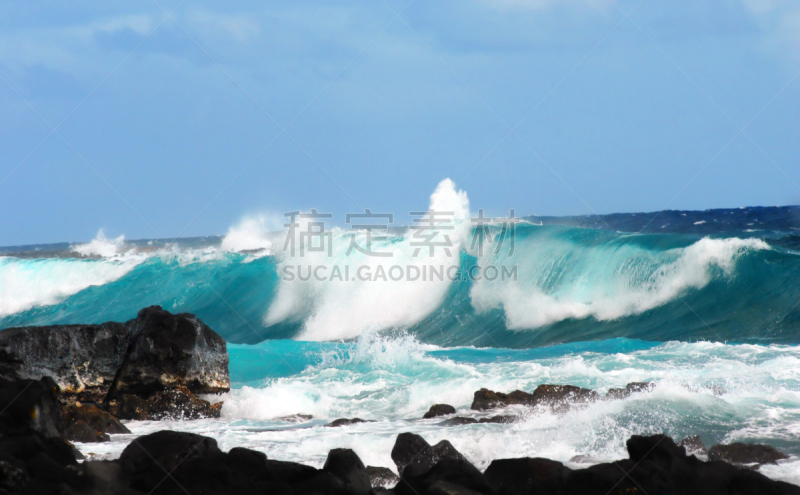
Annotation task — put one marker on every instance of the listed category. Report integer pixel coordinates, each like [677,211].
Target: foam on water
[724,393]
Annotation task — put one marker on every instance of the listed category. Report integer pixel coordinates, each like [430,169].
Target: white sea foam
[751,392]
[25,283]
[605,283]
[253,233]
[101,246]
[341,309]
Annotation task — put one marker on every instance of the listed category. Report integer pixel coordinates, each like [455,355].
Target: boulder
[381,477]
[524,476]
[30,405]
[82,359]
[170,351]
[346,465]
[89,423]
[550,395]
[439,410]
[745,453]
[631,388]
[438,469]
[176,404]
[458,421]
[347,421]
[413,456]
[80,431]
[130,407]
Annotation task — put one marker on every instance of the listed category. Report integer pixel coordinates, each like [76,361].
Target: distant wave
[573,283]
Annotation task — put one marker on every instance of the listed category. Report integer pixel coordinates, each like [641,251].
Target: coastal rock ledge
[150,368]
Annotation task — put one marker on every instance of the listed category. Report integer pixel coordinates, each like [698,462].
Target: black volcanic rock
[170,351]
[631,388]
[346,465]
[550,395]
[82,359]
[347,421]
[89,423]
[414,456]
[381,477]
[30,405]
[154,352]
[526,475]
[439,410]
[745,453]
[656,466]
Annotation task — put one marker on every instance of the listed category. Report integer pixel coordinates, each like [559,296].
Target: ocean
[703,304]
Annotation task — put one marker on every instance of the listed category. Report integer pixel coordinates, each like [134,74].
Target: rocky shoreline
[77,382]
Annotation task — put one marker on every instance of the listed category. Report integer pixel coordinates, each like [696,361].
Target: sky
[180,118]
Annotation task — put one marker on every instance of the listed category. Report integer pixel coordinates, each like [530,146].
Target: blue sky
[172,126]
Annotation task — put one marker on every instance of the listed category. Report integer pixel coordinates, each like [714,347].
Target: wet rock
[30,405]
[381,477]
[745,453]
[556,394]
[447,476]
[439,410]
[171,351]
[148,459]
[694,446]
[524,476]
[346,465]
[82,359]
[180,404]
[177,404]
[631,388]
[296,418]
[499,419]
[551,395]
[414,456]
[89,423]
[485,399]
[80,431]
[458,421]
[130,407]
[347,421]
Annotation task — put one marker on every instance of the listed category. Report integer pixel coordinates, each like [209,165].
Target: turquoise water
[711,319]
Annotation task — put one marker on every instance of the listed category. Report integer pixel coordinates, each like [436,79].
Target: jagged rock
[694,446]
[129,406]
[498,419]
[81,359]
[523,476]
[180,404]
[80,431]
[439,410]
[487,399]
[631,388]
[414,456]
[295,418]
[458,421]
[448,475]
[175,404]
[170,351]
[745,453]
[656,465]
[347,421]
[89,423]
[381,477]
[30,405]
[346,465]
[551,395]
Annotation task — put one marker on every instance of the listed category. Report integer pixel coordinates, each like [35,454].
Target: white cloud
[780,21]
